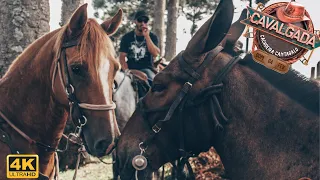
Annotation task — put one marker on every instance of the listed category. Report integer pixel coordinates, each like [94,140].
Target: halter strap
[195,75]
[69,89]
[31,141]
[180,100]
[70,44]
[5,137]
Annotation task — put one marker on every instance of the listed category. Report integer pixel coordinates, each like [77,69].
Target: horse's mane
[293,84]
[94,42]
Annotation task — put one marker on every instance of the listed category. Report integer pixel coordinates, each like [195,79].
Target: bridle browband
[181,102]
[73,103]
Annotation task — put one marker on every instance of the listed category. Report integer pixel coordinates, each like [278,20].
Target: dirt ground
[207,166]
[92,171]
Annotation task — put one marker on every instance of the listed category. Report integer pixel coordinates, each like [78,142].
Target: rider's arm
[152,48]
[152,42]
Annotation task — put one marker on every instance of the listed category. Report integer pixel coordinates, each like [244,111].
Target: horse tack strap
[195,74]
[70,44]
[47,148]
[185,89]
[31,141]
[98,107]
[209,57]
[156,128]
[212,90]
[68,84]
[187,68]
[188,85]
[227,68]
[5,138]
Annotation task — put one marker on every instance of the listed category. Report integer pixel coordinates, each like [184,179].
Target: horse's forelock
[94,43]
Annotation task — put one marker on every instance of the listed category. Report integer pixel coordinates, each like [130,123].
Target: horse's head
[166,120]
[83,78]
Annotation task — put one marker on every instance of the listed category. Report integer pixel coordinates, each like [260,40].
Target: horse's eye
[157,87]
[78,70]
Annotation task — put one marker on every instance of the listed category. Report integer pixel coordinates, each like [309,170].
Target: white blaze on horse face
[104,77]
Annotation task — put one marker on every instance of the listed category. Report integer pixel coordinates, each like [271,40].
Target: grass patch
[92,171]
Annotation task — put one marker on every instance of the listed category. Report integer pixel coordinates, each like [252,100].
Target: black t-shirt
[137,51]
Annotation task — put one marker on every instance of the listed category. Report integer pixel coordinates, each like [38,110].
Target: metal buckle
[156,129]
[142,148]
[186,87]
[78,131]
[82,118]
[67,89]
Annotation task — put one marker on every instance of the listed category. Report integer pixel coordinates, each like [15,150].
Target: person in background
[140,47]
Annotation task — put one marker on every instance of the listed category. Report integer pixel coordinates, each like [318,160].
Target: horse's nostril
[101,145]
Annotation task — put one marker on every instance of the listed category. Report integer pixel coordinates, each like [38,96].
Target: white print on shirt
[138,50]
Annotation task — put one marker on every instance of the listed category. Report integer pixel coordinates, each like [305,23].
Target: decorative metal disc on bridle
[139,162]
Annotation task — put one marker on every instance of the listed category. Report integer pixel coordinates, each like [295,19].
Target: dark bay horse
[263,124]
[70,70]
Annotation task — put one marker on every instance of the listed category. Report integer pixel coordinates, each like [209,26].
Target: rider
[139,47]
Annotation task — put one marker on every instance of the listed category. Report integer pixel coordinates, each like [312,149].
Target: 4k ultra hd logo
[22,166]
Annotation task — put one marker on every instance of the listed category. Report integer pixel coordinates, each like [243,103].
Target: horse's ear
[236,30]
[211,32]
[78,20]
[111,26]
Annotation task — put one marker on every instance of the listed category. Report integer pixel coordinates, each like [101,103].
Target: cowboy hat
[293,12]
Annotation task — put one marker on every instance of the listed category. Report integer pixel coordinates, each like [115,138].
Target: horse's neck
[27,101]
[269,134]
[125,99]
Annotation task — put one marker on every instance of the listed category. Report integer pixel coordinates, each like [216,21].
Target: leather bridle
[180,102]
[74,103]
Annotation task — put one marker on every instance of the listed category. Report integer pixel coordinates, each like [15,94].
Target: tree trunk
[67,9]
[171,35]
[312,72]
[21,22]
[158,24]
[318,70]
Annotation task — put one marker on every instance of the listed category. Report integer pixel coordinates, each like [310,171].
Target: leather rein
[74,103]
[209,93]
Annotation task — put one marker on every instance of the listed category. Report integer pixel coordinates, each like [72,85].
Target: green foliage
[98,3]
[262,1]
[196,10]
[107,8]
[193,10]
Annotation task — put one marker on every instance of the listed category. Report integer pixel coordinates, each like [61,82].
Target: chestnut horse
[125,95]
[67,71]
[273,126]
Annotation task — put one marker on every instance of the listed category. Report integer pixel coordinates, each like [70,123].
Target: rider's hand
[145,31]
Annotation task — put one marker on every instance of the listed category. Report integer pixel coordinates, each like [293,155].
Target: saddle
[159,65]
[139,74]
[140,82]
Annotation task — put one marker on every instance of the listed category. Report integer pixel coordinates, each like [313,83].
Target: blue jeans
[149,73]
